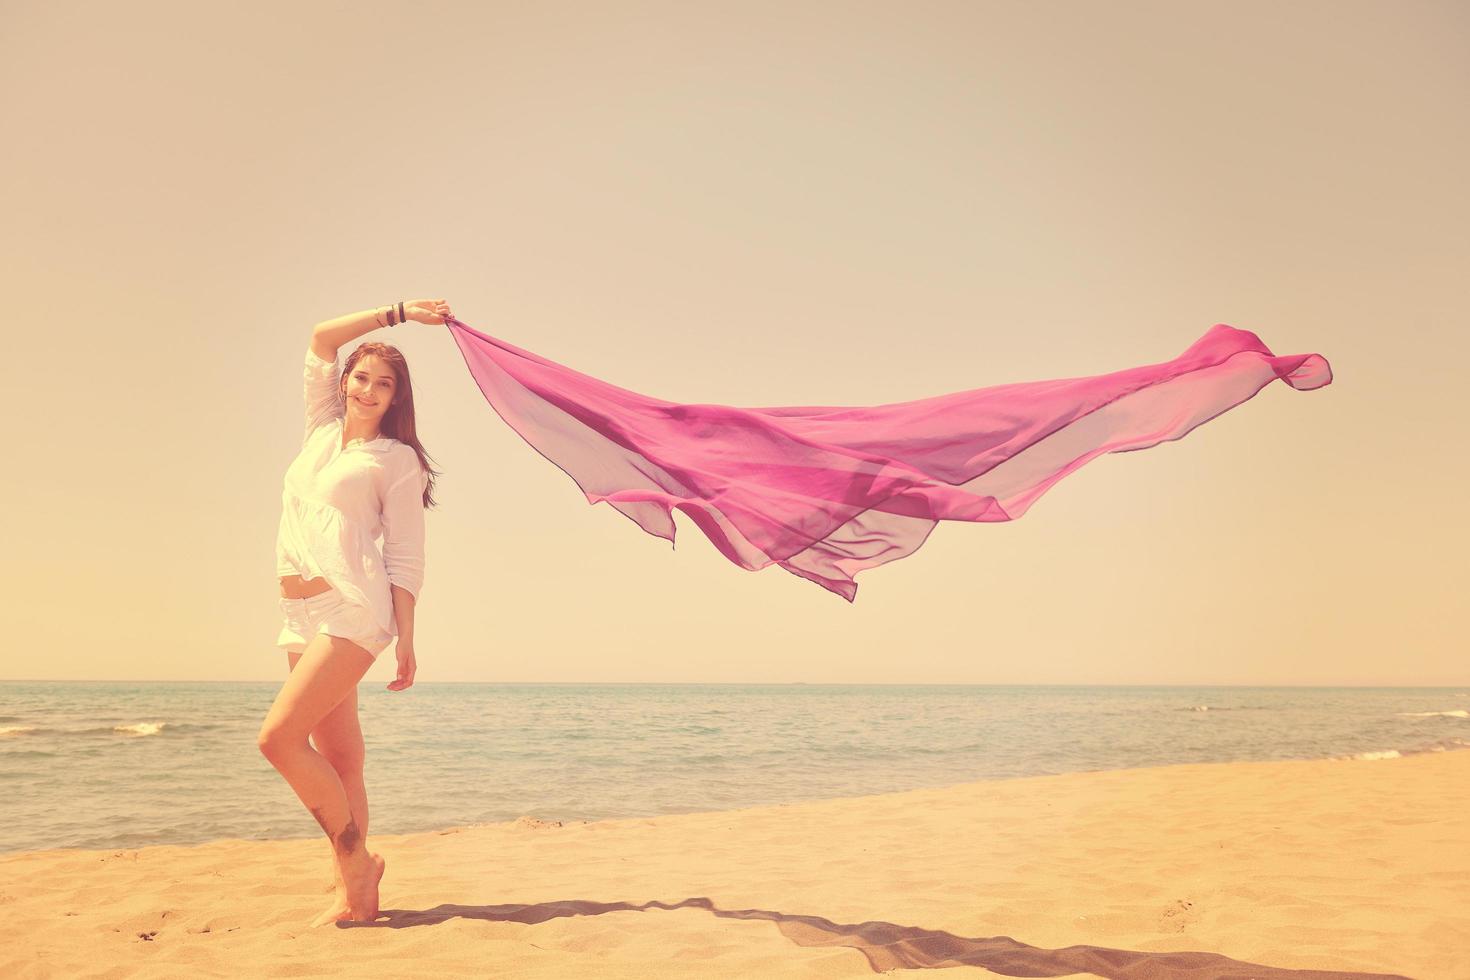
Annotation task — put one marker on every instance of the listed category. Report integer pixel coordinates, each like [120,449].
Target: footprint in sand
[1177,915]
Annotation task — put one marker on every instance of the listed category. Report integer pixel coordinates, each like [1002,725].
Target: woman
[361,474]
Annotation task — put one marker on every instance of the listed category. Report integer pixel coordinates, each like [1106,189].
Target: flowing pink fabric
[827,491]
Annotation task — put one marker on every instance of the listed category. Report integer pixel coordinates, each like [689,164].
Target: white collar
[381,444]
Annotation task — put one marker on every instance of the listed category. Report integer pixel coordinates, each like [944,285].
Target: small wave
[1223,707]
[1454,713]
[135,730]
[142,728]
[1443,745]
[138,730]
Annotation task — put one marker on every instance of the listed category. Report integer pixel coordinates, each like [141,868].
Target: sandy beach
[1321,868]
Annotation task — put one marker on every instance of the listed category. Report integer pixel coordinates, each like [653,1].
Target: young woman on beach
[361,474]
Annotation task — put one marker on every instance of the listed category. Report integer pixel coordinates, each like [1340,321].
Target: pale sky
[752,204]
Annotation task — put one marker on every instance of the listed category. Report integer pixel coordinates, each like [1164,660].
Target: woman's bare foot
[343,909]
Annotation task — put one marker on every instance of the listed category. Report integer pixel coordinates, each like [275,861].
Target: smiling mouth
[363,403]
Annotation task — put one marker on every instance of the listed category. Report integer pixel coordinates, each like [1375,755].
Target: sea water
[126,764]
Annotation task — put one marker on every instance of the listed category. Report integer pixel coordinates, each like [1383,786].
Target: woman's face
[370,387]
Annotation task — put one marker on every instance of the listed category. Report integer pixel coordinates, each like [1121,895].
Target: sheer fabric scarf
[826,491]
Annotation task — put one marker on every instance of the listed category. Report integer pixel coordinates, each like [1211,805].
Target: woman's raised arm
[329,335]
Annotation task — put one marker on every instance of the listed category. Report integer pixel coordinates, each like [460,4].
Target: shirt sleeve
[323,392]
[403,530]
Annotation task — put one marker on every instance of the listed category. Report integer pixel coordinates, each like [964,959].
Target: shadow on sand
[888,946]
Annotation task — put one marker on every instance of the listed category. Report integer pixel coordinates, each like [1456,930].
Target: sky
[750,204]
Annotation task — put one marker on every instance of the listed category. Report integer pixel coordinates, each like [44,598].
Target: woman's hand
[407,666]
[427,310]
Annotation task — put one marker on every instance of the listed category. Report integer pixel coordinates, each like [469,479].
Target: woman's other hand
[427,310]
[407,666]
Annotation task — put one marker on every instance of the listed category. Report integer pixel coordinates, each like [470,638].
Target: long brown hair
[398,421]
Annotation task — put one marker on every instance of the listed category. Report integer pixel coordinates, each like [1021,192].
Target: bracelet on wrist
[395,315]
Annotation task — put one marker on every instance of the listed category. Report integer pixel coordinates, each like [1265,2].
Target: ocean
[112,764]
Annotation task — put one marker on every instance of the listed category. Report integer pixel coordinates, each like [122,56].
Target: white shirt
[337,502]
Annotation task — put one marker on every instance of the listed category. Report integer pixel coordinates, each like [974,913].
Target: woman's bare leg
[338,737]
[326,673]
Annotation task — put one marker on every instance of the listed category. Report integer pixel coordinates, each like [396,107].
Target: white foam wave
[15,729]
[1455,713]
[1443,745]
[1224,707]
[142,728]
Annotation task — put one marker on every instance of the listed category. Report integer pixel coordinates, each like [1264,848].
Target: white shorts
[331,613]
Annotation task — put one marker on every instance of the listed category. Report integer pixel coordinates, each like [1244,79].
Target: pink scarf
[827,491]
